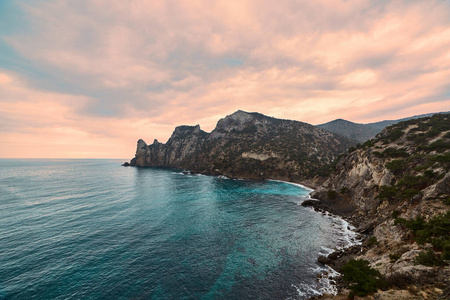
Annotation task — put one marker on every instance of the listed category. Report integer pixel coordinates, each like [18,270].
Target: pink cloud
[139,68]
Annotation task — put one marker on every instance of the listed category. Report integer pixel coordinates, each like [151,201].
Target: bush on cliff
[372,241]
[363,279]
[429,258]
[435,231]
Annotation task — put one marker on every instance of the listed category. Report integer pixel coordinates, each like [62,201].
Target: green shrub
[388,192]
[393,152]
[378,154]
[417,139]
[442,159]
[411,181]
[394,257]
[394,134]
[438,146]
[395,214]
[400,221]
[436,231]
[416,224]
[429,174]
[429,258]
[409,193]
[344,190]
[372,241]
[396,166]
[363,279]
[369,143]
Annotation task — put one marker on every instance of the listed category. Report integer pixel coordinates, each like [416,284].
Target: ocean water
[91,229]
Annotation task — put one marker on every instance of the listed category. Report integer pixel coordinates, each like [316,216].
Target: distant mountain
[363,132]
[246,145]
[354,131]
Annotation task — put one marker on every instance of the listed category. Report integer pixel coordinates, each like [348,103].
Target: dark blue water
[91,229]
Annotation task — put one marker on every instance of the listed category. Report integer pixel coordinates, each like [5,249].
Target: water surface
[91,229]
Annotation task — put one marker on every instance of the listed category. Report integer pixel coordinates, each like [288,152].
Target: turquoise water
[91,229]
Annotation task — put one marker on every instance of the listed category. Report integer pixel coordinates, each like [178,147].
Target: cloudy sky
[87,78]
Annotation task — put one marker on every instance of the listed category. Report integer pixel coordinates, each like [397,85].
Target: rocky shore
[396,191]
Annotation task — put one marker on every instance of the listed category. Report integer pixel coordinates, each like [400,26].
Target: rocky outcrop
[246,145]
[179,150]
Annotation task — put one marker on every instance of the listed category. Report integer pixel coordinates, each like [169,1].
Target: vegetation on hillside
[362,278]
[435,231]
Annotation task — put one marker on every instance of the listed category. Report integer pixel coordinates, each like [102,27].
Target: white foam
[325,250]
[293,183]
[325,284]
[347,238]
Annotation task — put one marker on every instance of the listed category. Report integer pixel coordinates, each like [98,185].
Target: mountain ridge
[246,145]
[362,132]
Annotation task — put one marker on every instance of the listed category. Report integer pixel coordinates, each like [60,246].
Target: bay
[91,229]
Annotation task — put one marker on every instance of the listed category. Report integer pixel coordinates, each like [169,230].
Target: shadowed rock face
[246,145]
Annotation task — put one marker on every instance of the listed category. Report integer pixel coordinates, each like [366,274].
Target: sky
[88,78]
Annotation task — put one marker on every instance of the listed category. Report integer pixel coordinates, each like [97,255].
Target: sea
[92,229]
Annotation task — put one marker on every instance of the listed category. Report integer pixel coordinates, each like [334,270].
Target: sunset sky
[87,79]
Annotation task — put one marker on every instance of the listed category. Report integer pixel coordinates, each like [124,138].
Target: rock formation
[246,145]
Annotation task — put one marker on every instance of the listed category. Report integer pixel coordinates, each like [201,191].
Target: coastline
[293,183]
[329,280]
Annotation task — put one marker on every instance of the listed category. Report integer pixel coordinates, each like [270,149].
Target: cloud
[112,70]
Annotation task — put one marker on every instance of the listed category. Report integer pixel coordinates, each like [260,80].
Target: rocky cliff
[396,189]
[246,145]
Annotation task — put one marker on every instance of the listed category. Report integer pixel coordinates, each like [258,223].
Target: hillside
[246,145]
[354,131]
[362,132]
[396,189]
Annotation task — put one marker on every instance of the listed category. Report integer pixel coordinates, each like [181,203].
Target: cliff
[246,145]
[396,189]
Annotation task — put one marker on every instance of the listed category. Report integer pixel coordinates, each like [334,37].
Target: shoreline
[329,279]
[294,183]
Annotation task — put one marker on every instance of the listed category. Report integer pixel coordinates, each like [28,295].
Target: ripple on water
[93,230]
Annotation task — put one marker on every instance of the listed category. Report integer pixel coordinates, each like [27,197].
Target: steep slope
[396,188]
[362,132]
[246,145]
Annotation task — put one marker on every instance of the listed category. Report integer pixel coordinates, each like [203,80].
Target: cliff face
[396,188]
[179,150]
[405,162]
[246,145]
